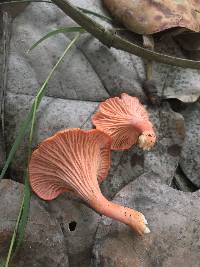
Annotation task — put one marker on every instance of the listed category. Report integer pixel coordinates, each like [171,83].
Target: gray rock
[190,159]
[79,225]
[175,82]
[73,79]
[162,159]
[174,220]
[54,114]
[118,71]
[44,244]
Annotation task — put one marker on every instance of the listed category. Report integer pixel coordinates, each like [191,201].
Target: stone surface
[174,220]
[79,225]
[190,159]
[175,82]
[73,79]
[162,159]
[44,244]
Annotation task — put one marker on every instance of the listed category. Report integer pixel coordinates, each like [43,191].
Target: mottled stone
[162,159]
[74,78]
[175,82]
[44,244]
[190,159]
[79,225]
[174,220]
[118,71]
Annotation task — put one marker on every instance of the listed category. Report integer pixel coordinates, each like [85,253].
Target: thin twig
[110,39]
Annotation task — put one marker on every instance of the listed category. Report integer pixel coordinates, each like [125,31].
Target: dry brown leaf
[151,16]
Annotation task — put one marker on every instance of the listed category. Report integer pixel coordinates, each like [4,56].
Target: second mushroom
[126,121]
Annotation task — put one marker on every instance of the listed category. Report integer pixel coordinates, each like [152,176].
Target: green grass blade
[23,129]
[52,33]
[13,238]
[22,219]
[24,214]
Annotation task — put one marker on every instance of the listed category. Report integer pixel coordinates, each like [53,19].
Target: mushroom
[76,160]
[126,120]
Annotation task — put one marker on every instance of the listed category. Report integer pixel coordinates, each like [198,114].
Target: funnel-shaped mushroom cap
[125,119]
[71,160]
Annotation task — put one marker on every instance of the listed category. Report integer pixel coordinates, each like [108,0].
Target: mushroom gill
[126,120]
[76,160]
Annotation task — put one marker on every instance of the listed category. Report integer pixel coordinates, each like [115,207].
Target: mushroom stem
[134,219]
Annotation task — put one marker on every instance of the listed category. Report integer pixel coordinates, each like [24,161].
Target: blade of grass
[20,226]
[13,237]
[23,129]
[23,214]
[52,33]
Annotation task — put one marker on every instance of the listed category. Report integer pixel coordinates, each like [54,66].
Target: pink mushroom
[76,160]
[126,120]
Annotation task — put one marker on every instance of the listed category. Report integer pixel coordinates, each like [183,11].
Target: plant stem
[110,39]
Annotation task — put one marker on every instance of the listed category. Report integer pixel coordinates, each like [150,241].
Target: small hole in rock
[72,226]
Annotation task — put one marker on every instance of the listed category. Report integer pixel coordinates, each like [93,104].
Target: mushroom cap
[148,17]
[71,160]
[124,119]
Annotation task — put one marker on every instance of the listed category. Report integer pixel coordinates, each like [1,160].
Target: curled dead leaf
[151,16]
